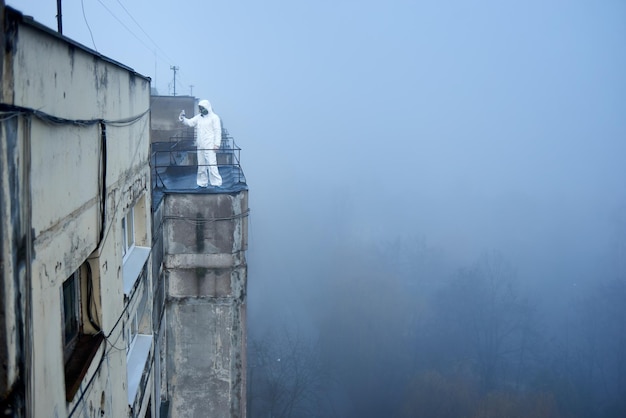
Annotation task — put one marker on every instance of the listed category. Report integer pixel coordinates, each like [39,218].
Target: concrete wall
[206,278]
[13,234]
[59,217]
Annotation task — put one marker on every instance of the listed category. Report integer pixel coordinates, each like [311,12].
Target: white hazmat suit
[209,138]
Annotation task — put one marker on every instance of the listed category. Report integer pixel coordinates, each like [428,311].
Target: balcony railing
[175,163]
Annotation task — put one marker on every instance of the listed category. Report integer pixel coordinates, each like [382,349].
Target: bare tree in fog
[586,366]
[367,329]
[285,377]
[437,396]
[599,344]
[488,321]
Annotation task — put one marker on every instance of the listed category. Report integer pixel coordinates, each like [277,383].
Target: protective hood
[205,104]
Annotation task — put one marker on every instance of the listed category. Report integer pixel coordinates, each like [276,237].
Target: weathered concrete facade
[111,303]
[75,230]
[205,271]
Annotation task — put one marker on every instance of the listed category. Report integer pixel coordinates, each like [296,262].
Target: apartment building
[122,285]
[76,283]
[201,242]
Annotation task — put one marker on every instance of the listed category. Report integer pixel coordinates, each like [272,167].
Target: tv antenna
[174,68]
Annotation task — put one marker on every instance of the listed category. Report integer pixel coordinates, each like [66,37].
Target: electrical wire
[165,59]
[9,115]
[108,229]
[122,23]
[91,300]
[202,221]
[145,33]
[82,4]
[14,110]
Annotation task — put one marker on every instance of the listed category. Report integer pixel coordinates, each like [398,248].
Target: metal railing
[179,156]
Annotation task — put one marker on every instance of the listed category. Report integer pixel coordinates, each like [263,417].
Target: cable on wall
[103,181]
[90,300]
[14,110]
[7,112]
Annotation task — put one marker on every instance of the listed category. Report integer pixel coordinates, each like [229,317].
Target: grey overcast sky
[474,125]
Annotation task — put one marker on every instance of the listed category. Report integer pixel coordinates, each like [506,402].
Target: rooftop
[174,168]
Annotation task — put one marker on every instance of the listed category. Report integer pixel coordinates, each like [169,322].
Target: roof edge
[16,15]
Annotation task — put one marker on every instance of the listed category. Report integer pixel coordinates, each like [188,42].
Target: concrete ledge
[213,261]
[199,282]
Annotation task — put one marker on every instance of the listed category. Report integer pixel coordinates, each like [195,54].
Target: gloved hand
[182,115]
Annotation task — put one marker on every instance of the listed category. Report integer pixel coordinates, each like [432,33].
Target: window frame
[134,254]
[132,330]
[83,343]
[74,287]
[128,233]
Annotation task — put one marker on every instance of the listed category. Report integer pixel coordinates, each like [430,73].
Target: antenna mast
[174,68]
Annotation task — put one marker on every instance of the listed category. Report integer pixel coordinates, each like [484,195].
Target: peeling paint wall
[206,279]
[12,272]
[75,172]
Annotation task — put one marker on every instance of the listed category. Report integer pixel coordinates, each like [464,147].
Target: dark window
[79,348]
[71,313]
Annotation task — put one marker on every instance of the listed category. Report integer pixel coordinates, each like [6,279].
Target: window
[80,330]
[138,343]
[128,232]
[134,236]
[136,317]
[131,332]
[71,313]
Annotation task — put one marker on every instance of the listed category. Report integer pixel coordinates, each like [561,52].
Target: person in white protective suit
[209,138]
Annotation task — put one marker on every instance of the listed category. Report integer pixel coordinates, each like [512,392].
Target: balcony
[175,166]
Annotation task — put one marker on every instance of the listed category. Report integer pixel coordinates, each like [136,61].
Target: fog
[438,222]
[369,235]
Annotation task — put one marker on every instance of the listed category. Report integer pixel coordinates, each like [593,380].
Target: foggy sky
[469,125]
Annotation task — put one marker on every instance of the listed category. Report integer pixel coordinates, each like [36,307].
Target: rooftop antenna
[174,68]
[191,90]
[59,17]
